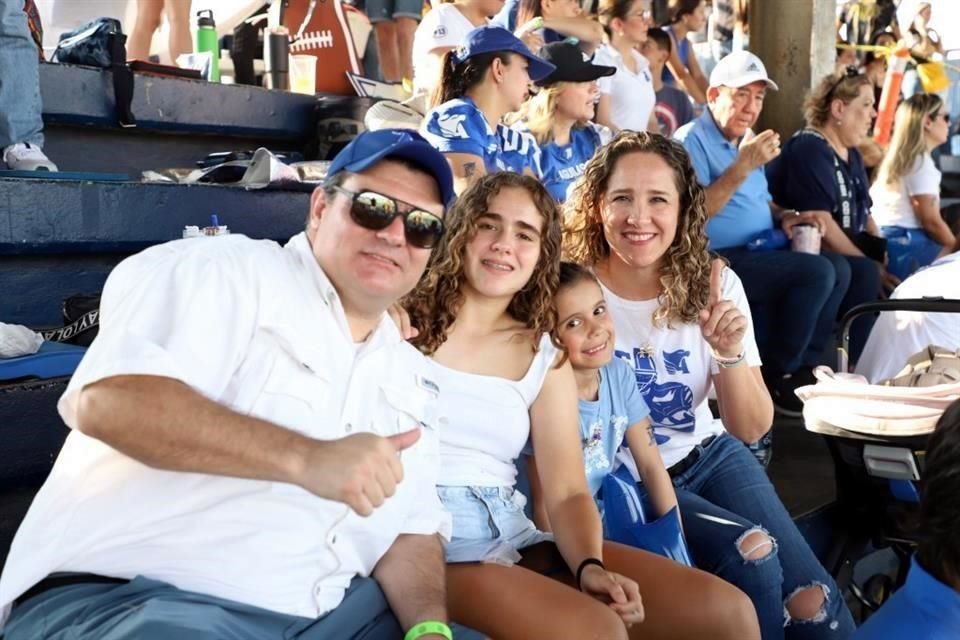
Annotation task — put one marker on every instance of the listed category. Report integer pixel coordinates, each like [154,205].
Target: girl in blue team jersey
[612,410]
[559,116]
[483,80]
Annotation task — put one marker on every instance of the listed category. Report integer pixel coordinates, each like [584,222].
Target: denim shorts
[489,524]
[383,10]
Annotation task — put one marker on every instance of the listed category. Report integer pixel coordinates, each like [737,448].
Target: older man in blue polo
[794,297]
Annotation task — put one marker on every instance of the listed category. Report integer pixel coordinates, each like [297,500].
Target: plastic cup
[806,239]
[303,74]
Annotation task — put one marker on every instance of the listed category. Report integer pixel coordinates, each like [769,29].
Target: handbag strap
[122,80]
[843,210]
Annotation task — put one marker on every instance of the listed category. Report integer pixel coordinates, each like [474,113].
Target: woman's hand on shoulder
[621,593]
[721,323]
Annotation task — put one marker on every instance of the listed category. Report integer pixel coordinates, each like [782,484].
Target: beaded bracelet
[726,363]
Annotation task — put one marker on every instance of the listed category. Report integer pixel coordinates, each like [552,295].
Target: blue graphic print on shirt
[676,361]
[562,165]
[458,126]
[670,402]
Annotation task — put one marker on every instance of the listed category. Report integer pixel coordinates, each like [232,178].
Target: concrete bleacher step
[180,121]
[60,238]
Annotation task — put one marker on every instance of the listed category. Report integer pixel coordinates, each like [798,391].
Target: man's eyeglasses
[375,211]
[849,71]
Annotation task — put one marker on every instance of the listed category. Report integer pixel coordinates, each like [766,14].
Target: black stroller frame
[867,514]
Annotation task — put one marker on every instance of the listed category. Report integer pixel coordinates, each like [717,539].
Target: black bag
[81,321]
[101,43]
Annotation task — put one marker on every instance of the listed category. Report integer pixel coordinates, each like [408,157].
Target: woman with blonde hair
[637,218]
[559,116]
[485,314]
[906,193]
[820,173]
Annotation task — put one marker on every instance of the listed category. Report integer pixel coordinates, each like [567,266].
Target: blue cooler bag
[625,521]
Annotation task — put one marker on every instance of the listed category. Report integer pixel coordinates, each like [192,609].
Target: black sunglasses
[375,211]
[849,71]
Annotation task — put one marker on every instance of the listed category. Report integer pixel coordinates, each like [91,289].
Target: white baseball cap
[739,69]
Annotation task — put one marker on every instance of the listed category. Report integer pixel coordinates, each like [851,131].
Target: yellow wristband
[429,627]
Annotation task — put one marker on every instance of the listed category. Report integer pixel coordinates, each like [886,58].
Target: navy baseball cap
[370,147]
[489,39]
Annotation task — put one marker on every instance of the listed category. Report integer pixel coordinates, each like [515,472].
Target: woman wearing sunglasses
[559,116]
[485,312]
[820,173]
[906,193]
[483,80]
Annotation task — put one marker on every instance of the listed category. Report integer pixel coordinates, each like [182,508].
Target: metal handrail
[931,304]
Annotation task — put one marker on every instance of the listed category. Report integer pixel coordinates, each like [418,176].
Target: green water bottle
[207,40]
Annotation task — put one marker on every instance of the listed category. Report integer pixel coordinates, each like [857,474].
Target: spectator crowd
[583,241]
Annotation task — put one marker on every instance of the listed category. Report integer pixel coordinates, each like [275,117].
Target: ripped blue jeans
[724,498]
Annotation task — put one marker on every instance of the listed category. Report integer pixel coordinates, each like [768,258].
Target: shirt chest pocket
[403,409]
[296,395]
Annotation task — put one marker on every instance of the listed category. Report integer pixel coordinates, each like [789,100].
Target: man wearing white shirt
[897,335]
[252,436]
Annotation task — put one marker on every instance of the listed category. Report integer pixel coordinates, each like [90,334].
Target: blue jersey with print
[458,126]
[562,165]
[604,422]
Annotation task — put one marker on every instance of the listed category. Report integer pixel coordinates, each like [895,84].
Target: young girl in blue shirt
[612,411]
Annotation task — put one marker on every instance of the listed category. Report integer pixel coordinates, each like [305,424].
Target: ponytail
[456,78]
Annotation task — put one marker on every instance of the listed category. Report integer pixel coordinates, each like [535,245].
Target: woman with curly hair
[485,313]
[637,217]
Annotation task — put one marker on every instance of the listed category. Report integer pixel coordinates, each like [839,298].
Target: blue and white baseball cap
[739,69]
[370,147]
[490,39]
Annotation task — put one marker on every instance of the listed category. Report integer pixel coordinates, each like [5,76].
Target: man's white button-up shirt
[260,329]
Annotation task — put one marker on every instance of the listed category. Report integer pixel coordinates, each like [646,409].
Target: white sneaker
[27,157]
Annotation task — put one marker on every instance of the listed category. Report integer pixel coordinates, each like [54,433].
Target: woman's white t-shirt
[632,97]
[674,369]
[891,202]
[443,26]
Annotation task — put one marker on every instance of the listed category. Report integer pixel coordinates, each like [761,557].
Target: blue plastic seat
[53,360]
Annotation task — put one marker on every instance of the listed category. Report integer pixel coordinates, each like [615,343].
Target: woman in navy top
[820,174]
[559,117]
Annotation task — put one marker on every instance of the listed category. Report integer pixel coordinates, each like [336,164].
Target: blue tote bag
[625,521]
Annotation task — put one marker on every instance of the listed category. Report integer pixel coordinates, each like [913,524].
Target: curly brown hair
[685,270]
[434,302]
